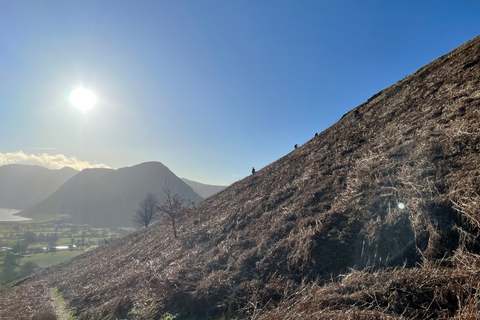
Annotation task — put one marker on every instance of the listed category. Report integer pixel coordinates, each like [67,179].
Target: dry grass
[24,301]
[287,242]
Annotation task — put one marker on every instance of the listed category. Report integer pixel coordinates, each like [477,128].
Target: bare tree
[172,206]
[147,213]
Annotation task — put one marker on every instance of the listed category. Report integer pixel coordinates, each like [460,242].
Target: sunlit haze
[208,88]
[83,99]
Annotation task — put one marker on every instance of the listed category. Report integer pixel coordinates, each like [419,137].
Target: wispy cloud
[57,161]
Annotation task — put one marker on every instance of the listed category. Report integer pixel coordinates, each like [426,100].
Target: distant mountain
[107,197]
[204,190]
[22,186]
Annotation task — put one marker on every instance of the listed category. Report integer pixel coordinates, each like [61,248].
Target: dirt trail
[58,305]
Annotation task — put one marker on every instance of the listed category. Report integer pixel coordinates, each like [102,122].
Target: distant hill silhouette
[22,186]
[107,197]
[377,217]
[204,190]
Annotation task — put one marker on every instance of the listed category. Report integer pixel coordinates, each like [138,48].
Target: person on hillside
[253,170]
[355,116]
[296,146]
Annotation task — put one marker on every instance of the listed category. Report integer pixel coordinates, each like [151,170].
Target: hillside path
[58,305]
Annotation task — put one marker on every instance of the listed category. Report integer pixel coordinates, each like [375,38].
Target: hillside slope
[107,197]
[22,186]
[393,183]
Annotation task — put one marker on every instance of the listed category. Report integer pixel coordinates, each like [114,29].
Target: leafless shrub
[173,206]
[147,213]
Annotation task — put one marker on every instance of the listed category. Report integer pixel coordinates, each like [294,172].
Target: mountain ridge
[108,197]
[22,186]
[204,190]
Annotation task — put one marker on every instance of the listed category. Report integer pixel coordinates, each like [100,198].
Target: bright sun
[83,99]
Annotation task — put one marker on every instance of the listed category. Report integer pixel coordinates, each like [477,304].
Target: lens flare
[82,99]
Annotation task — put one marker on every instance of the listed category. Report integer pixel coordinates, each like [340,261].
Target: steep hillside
[22,186]
[391,189]
[203,190]
[106,197]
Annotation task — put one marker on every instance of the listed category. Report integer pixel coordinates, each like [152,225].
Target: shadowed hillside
[391,189]
[108,198]
[203,190]
[22,186]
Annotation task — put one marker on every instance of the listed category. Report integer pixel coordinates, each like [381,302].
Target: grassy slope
[267,245]
[48,259]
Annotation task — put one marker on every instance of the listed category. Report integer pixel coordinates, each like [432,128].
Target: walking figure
[253,170]
[355,116]
[296,146]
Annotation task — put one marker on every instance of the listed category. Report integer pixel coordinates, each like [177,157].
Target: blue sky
[208,88]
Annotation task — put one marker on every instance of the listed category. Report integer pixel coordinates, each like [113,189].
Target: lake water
[8,215]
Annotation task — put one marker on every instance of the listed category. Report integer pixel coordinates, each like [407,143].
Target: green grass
[8,237]
[49,259]
[65,241]
[131,229]
[96,240]
[10,242]
[37,246]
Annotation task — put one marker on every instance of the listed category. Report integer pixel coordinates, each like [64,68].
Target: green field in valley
[28,246]
[48,259]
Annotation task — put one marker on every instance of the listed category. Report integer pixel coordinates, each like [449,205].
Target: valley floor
[29,246]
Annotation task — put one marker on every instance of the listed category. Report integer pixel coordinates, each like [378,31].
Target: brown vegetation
[289,241]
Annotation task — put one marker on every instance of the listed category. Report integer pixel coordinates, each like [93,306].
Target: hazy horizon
[80,167]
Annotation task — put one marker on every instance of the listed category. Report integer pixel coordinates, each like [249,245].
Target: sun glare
[83,99]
